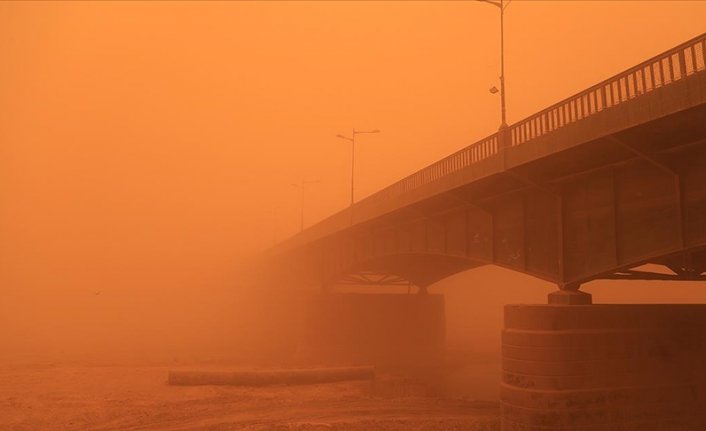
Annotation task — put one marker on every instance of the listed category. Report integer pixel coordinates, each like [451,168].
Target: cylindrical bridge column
[604,367]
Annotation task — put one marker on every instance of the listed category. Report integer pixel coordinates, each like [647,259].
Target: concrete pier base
[604,367]
[380,329]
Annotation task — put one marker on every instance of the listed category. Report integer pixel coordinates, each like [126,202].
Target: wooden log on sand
[270,377]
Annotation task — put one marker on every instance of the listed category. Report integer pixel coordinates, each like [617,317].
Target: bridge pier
[378,329]
[604,367]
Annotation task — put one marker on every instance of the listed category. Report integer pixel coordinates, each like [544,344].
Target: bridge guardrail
[664,69]
[661,70]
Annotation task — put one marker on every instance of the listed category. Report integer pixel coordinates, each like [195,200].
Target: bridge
[592,187]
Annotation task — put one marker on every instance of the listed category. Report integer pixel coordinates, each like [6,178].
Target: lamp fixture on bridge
[502,5]
[352,141]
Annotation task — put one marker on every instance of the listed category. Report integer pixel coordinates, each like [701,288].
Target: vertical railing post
[682,63]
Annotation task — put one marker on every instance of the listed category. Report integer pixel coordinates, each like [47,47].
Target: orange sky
[145,148]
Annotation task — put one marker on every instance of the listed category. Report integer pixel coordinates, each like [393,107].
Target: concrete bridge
[592,187]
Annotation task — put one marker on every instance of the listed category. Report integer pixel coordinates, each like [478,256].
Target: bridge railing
[455,162]
[664,69]
[661,70]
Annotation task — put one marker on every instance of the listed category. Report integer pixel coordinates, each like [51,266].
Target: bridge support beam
[604,367]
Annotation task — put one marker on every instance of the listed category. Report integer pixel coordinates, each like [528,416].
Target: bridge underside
[419,269]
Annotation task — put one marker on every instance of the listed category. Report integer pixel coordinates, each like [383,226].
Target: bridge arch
[419,268]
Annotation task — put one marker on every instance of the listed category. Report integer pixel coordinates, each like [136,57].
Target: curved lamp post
[500,4]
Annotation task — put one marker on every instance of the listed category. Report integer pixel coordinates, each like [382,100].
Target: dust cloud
[148,152]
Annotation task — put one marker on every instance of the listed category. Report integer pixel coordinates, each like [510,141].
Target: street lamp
[301,187]
[500,4]
[352,141]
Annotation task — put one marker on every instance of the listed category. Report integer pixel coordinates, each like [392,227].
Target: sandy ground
[113,398]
